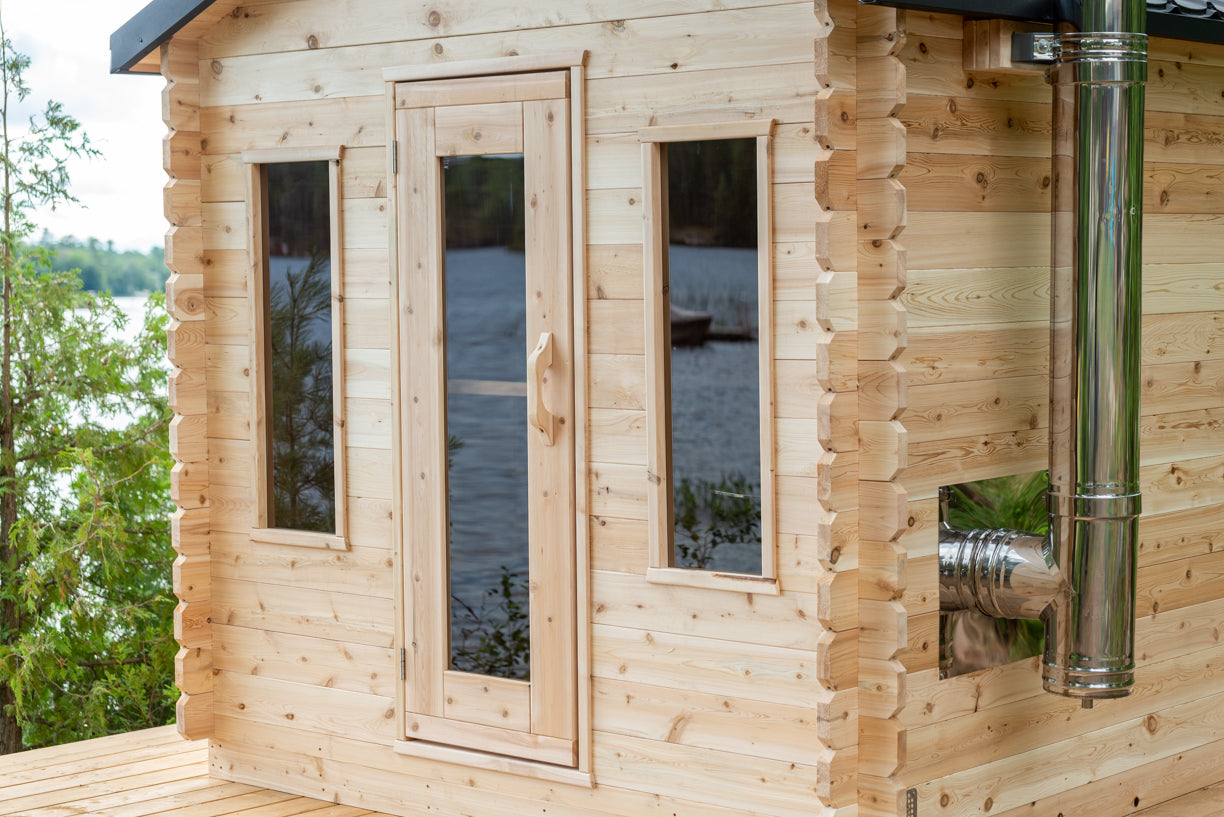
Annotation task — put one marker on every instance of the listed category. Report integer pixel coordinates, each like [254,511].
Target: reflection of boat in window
[689,327]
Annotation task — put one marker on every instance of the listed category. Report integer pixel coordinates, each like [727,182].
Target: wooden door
[453,137]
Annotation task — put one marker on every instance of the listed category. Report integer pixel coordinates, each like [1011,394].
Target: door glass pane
[714,356]
[299,325]
[486,414]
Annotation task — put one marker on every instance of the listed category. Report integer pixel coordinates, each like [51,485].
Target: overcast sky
[68,43]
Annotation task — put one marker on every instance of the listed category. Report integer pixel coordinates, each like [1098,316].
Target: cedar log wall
[977,181]
[911,199]
[705,703]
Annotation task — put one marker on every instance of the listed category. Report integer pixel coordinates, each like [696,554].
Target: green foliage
[85,604]
[711,514]
[90,650]
[104,269]
[34,163]
[494,638]
[303,451]
[1015,502]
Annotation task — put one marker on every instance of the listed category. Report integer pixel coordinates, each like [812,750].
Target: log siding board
[977,359]
[882,574]
[251,33]
[188,385]
[817,379]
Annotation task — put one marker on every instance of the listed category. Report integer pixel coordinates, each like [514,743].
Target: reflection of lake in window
[714,368]
[486,411]
[299,321]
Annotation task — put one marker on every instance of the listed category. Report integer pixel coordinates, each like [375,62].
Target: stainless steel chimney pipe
[1081,580]
[1095,349]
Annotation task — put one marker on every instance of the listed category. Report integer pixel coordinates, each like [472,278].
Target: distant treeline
[712,192]
[105,269]
[484,202]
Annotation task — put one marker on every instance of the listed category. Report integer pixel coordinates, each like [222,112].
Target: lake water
[715,407]
[132,306]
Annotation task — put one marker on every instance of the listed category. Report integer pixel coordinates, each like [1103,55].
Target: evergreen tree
[303,415]
[85,603]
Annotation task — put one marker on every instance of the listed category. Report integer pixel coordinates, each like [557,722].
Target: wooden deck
[141,774]
[155,772]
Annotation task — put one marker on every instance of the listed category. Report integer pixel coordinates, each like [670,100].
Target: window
[296,365]
[708,251]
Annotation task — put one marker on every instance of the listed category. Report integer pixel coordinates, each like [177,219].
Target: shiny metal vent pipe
[999,573]
[1081,580]
[1095,349]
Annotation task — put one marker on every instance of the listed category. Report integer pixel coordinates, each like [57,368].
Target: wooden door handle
[537,363]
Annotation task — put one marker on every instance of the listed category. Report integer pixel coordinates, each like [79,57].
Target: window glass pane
[486,414]
[714,369]
[300,416]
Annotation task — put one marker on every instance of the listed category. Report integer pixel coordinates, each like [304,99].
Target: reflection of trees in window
[300,340]
[712,514]
[299,209]
[494,638]
[303,467]
[712,192]
[484,202]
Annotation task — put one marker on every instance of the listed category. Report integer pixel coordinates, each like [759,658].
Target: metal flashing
[148,29]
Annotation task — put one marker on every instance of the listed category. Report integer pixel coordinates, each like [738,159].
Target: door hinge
[403,664]
[394,157]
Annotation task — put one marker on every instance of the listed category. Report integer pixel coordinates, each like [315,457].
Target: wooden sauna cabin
[894,213]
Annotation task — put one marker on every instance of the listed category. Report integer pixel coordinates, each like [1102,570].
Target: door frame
[574,63]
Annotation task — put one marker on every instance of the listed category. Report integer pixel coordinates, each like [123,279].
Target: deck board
[151,773]
[155,773]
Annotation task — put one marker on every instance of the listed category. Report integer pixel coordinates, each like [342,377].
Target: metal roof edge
[148,29]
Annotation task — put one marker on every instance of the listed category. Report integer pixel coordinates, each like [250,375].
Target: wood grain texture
[882,563]
[188,387]
[976,359]
[903,359]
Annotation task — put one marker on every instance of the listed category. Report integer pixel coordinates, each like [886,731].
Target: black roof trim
[1038,11]
[152,26]
[1185,27]
[1170,23]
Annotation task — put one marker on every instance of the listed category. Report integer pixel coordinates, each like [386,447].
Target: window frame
[661,525]
[254,165]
